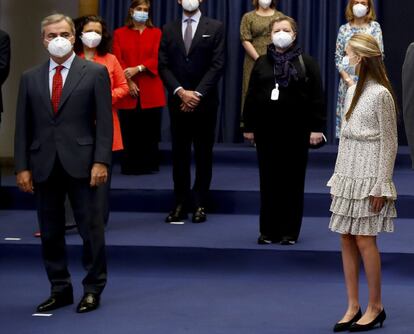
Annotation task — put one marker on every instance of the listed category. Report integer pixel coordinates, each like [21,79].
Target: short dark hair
[105,46]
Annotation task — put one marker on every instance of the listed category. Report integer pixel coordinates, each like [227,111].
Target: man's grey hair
[56,18]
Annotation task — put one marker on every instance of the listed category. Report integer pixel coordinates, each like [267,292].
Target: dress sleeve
[245,29]
[377,34]
[316,98]
[340,47]
[117,49]
[151,63]
[120,87]
[387,119]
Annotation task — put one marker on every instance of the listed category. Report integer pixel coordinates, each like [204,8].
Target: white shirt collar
[196,17]
[67,64]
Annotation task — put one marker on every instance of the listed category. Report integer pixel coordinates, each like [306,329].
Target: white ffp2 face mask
[282,39]
[59,47]
[190,5]
[265,3]
[91,39]
[359,10]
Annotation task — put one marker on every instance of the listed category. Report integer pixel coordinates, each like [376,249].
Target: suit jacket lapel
[44,86]
[201,29]
[76,72]
[179,33]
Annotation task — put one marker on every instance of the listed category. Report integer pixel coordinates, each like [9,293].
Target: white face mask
[282,39]
[91,39]
[360,10]
[59,47]
[265,3]
[190,5]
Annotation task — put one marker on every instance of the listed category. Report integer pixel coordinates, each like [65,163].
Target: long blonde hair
[371,67]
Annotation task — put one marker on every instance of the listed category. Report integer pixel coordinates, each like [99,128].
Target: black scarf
[284,68]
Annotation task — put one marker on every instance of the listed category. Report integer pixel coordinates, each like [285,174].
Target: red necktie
[57,88]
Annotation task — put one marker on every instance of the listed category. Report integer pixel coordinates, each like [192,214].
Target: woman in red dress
[93,43]
[136,47]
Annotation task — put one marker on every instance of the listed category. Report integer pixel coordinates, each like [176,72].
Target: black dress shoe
[70,227]
[55,301]
[199,215]
[176,215]
[344,326]
[355,327]
[88,303]
[264,240]
[286,241]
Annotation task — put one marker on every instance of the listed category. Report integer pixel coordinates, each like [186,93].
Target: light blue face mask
[140,16]
[348,68]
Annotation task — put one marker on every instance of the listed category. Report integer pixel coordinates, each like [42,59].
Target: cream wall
[21,19]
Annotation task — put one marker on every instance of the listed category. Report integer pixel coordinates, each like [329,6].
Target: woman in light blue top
[360,15]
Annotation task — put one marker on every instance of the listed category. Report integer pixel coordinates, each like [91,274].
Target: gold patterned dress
[254,28]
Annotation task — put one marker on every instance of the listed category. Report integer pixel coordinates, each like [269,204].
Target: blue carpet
[243,292]
[208,278]
[219,232]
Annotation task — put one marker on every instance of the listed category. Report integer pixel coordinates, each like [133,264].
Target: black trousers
[194,128]
[102,197]
[282,169]
[141,130]
[88,211]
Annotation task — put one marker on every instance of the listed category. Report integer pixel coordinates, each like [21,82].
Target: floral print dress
[346,31]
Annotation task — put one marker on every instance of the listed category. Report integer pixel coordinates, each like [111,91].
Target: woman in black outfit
[284,114]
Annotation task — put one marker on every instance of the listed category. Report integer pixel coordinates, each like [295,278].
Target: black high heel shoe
[363,328]
[344,326]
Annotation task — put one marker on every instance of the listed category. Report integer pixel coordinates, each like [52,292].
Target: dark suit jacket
[4,62]
[201,69]
[408,97]
[81,131]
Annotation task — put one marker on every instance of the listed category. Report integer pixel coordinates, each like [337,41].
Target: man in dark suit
[4,62]
[191,61]
[408,97]
[4,66]
[63,144]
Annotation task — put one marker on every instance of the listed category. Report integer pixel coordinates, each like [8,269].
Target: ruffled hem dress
[365,163]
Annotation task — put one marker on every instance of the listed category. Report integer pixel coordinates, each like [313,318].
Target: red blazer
[133,48]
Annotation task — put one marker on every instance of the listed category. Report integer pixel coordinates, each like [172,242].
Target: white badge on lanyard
[275,93]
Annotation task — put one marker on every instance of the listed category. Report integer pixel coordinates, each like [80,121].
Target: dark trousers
[282,168]
[102,197]
[140,134]
[196,128]
[87,209]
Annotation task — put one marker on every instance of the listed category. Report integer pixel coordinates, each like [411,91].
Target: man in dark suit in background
[191,61]
[408,97]
[4,62]
[4,66]
[63,144]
